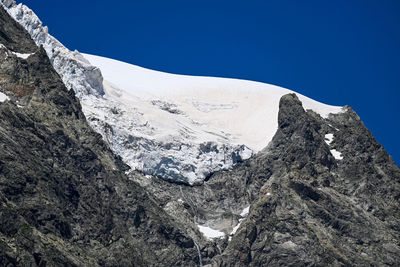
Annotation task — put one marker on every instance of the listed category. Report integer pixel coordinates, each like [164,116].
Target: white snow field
[180,128]
[197,110]
[244,112]
[210,233]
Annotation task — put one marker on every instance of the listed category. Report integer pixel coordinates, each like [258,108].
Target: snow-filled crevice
[336,154]
[243,215]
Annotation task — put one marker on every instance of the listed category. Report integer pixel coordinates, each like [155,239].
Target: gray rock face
[315,209]
[64,197]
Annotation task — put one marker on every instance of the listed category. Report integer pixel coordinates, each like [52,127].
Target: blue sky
[342,52]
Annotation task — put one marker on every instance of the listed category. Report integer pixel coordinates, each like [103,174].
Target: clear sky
[342,52]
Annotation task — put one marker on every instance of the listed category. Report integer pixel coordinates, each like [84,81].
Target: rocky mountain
[313,209]
[65,199]
[90,176]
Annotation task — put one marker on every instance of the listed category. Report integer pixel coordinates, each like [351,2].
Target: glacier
[177,127]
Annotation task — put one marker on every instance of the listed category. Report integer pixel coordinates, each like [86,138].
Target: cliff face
[315,209]
[64,197]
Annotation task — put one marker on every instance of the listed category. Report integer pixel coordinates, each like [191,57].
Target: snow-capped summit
[181,128]
[213,109]
[186,127]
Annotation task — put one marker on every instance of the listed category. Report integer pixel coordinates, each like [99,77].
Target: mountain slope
[322,193]
[64,197]
[315,209]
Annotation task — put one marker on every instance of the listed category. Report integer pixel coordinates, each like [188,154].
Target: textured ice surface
[244,112]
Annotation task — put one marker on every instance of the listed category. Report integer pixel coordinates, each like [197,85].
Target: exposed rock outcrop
[318,210]
[306,206]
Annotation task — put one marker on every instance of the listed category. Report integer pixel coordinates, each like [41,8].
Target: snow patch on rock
[336,154]
[210,233]
[245,211]
[328,139]
[3,97]
[23,56]
[243,214]
[20,55]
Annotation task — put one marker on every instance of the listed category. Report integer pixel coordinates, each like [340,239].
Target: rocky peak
[19,41]
[317,208]
[75,71]
[290,111]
